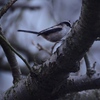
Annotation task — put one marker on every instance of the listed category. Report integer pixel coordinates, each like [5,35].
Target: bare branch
[5,68]
[40,47]
[90,70]
[7,43]
[25,6]
[11,59]
[51,81]
[76,84]
[87,61]
[4,9]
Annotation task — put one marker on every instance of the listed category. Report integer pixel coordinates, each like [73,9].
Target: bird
[54,33]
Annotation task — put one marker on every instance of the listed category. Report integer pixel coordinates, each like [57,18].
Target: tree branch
[25,6]
[76,45]
[89,70]
[76,84]
[16,73]
[4,9]
[5,67]
[56,69]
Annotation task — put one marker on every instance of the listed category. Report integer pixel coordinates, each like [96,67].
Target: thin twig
[90,70]
[4,9]
[27,64]
[40,47]
[87,61]
[25,6]
[94,65]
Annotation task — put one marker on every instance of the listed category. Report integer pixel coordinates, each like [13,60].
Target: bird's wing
[50,30]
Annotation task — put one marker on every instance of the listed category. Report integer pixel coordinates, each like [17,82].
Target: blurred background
[36,15]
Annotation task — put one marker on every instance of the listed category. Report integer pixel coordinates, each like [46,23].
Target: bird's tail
[28,31]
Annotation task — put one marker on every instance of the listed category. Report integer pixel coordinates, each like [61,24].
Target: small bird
[54,33]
